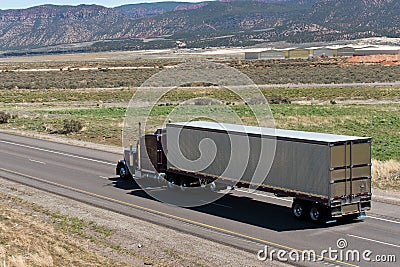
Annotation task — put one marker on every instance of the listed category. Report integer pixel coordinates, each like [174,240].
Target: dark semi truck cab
[328,176]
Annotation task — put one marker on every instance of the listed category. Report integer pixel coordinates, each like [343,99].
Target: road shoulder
[385,196]
[130,240]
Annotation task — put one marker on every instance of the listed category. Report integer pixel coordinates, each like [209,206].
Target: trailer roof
[278,133]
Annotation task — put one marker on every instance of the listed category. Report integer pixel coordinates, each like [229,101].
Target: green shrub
[71,126]
[4,117]
[278,99]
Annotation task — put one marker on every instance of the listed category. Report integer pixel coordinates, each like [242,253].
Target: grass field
[379,121]
[98,99]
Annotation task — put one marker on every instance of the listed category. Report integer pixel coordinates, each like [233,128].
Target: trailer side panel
[293,165]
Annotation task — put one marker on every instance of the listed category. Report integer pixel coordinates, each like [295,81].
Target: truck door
[340,172]
[360,168]
[148,152]
[350,169]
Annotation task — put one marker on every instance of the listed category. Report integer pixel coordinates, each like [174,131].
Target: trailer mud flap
[350,208]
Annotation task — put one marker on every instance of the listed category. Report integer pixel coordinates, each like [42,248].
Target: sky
[16,4]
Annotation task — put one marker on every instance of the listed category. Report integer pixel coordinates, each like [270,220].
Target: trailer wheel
[213,186]
[203,183]
[161,178]
[184,185]
[299,209]
[172,183]
[316,213]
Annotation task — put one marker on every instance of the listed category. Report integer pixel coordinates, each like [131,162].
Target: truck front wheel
[123,172]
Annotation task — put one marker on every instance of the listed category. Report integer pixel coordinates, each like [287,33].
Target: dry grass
[305,121]
[386,174]
[28,240]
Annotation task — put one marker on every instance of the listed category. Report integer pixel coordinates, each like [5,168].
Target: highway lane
[241,219]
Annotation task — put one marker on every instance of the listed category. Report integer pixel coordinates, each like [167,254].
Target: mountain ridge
[200,24]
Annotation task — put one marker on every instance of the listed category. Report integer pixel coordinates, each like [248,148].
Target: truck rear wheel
[299,209]
[316,213]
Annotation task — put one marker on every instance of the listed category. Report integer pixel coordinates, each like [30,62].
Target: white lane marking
[382,219]
[150,188]
[156,188]
[104,177]
[221,205]
[36,161]
[216,204]
[376,241]
[263,195]
[58,153]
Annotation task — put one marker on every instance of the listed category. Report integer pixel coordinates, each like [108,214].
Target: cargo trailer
[328,176]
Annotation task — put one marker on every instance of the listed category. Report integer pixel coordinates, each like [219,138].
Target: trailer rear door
[351,168]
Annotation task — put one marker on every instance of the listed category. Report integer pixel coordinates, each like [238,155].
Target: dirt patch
[376,59]
[347,102]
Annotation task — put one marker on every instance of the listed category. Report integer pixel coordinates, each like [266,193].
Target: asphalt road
[249,221]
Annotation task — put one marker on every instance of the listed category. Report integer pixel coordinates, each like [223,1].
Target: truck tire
[123,172]
[184,185]
[316,213]
[172,183]
[161,178]
[212,186]
[299,209]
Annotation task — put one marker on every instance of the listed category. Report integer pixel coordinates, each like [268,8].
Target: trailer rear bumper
[343,207]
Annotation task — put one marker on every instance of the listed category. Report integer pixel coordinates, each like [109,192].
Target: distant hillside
[51,25]
[224,22]
[137,11]
[143,10]
[292,20]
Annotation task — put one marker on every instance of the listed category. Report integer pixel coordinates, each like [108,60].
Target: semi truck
[328,176]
